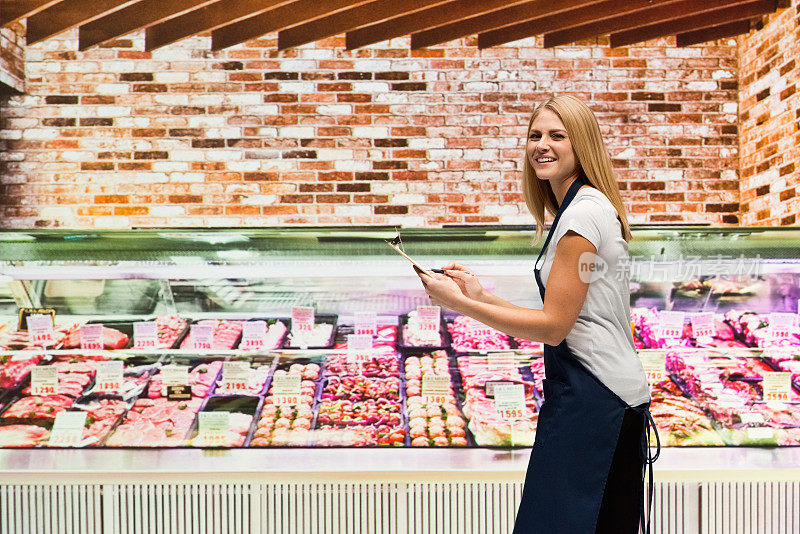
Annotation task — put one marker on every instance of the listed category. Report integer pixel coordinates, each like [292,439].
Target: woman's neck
[561,187]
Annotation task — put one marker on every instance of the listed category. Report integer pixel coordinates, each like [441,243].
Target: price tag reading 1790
[202,336]
[777,386]
[44,380]
[109,376]
[509,400]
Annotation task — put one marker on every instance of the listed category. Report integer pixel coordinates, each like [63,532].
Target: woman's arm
[566,293]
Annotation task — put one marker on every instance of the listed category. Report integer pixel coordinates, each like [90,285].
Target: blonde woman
[586,471]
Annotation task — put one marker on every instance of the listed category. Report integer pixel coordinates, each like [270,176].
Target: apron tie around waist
[648,459]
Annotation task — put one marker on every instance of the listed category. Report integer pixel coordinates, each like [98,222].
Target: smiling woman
[586,468]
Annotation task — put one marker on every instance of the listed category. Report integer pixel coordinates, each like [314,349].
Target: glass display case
[714,316]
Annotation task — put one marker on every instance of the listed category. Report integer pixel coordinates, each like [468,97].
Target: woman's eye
[558,136]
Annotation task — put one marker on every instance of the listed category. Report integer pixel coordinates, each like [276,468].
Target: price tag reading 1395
[509,400]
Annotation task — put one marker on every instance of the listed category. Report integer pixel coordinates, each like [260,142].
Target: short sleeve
[586,218]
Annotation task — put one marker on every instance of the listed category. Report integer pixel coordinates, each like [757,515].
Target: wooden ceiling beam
[444,13]
[496,19]
[551,23]
[742,11]
[132,18]
[210,17]
[713,33]
[68,14]
[278,19]
[352,19]
[654,14]
[14,10]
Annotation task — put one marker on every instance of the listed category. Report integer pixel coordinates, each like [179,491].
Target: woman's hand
[442,289]
[467,282]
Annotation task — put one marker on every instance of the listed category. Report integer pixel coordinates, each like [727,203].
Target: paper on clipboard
[406,256]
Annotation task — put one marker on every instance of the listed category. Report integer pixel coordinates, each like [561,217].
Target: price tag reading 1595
[509,400]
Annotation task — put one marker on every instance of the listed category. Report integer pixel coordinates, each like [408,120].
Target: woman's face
[549,150]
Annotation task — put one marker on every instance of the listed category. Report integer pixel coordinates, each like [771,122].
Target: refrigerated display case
[722,424]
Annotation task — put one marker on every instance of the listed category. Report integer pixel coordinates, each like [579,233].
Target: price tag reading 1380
[435,389]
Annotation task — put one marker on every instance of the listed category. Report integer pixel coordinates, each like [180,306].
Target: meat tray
[318,319]
[444,336]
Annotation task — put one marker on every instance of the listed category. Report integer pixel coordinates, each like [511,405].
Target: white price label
[40,329]
[286,385]
[213,428]
[92,337]
[303,319]
[109,376]
[781,325]
[44,380]
[703,325]
[202,336]
[359,348]
[429,318]
[776,386]
[501,361]
[175,375]
[235,376]
[366,323]
[509,401]
[478,329]
[67,429]
[145,335]
[435,389]
[655,366]
[670,324]
[254,335]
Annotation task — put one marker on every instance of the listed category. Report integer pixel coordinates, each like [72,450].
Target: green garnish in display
[182,406]
[203,370]
[50,410]
[73,360]
[167,432]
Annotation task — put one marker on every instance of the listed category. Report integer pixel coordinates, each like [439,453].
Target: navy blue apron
[578,429]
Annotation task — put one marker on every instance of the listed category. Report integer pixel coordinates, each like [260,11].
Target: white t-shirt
[601,338]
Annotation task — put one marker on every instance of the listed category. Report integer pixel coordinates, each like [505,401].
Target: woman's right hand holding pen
[467,282]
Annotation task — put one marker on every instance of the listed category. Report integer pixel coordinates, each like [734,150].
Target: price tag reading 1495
[92,337]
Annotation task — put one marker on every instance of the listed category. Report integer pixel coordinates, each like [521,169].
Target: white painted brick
[150,178]
[480,154]
[171,77]
[223,155]
[244,165]
[666,174]
[263,109]
[172,99]
[51,66]
[249,188]
[40,133]
[112,88]
[371,65]
[335,109]
[21,123]
[352,166]
[260,200]
[133,122]
[170,166]
[56,212]
[296,87]
[702,85]
[328,154]
[444,154]
[408,199]
[171,53]
[370,132]
[362,86]
[316,53]
[167,211]
[113,111]
[81,66]
[573,53]
[224,133]
[208,76]
[244,99]
[406,221]
[298,65]
[501,209]
[202,121]
[118,66]
[431,166]
[292,132]
[11,134]
[480,87]
[387,187]
[76,155]
[730,107]
[186,155]
[723,74]
[426,142]
[353,210]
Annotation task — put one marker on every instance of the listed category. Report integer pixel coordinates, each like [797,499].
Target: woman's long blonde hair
[592,158]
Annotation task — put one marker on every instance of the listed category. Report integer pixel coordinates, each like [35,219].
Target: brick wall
[12,62]
[770,120]
[118,137]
